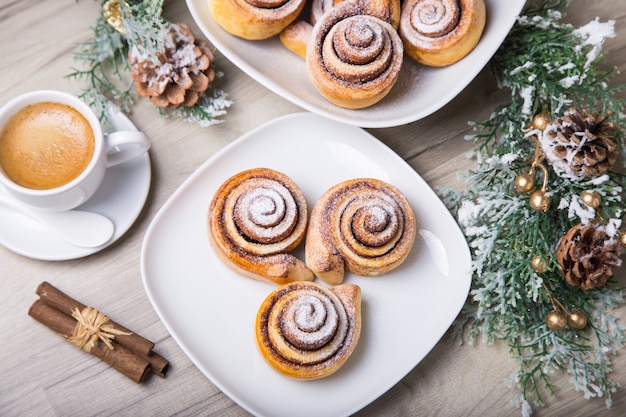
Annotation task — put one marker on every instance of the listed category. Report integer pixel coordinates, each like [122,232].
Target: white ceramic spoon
[81,228]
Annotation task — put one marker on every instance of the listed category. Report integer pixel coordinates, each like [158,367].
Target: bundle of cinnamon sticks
[128,352]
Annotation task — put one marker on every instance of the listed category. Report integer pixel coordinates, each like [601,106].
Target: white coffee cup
[108,150]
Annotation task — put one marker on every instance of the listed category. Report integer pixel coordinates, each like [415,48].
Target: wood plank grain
[469,380]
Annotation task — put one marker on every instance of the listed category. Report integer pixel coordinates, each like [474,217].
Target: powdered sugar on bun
[255,219]
[353,59]
[307,331]
[441,32]
[363,225]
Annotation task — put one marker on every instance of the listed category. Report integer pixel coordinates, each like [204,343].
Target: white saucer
[121,198]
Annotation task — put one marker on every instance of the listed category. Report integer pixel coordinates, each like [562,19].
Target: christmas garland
[135,52]
[544,208]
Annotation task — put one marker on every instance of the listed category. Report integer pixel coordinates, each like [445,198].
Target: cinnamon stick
[134,342]
[158,363]
[125,361]
[66,304]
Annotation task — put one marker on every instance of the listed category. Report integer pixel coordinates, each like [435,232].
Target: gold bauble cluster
[540,199]
[557,320]
[560,317]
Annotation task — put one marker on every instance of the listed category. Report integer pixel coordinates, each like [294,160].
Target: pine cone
[580,145]
[587,256]
[182,73]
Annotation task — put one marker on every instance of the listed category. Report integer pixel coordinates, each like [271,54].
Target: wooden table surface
[42,375]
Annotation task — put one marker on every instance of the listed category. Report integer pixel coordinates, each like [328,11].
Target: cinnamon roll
[295,37]
[363,225]
[255,19]
[441,32]
[353,59]
[255,219]
[307,331]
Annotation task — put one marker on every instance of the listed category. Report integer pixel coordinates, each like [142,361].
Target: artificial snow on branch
[544,207]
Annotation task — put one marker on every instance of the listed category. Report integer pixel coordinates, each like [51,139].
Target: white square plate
[419,92]
[210,310]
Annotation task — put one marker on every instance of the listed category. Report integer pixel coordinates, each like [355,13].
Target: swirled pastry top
[353,59]
[307,331]
[364,224]
[441,32]
[255,219]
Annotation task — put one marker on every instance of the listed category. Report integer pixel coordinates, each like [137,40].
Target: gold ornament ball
[540,201]
[538,264]
[556,320]
[591,198]
[577,320]
[540,121]
[524,183]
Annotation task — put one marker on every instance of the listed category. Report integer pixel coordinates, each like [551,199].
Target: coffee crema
[46,145]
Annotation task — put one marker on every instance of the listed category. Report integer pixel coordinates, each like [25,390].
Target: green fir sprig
[548,66]
[106,70]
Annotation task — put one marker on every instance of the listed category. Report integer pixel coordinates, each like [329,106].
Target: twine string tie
[90,327]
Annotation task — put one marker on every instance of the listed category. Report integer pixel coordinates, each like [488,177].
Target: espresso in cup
[53,150]
[46,145]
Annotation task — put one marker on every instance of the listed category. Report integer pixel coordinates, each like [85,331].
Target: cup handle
[124,145]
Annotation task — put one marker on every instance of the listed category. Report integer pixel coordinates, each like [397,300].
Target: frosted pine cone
[580,145]
[182,72]
[587,256]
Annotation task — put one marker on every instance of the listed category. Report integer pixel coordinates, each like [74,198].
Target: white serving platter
[210,310]
[419,92]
